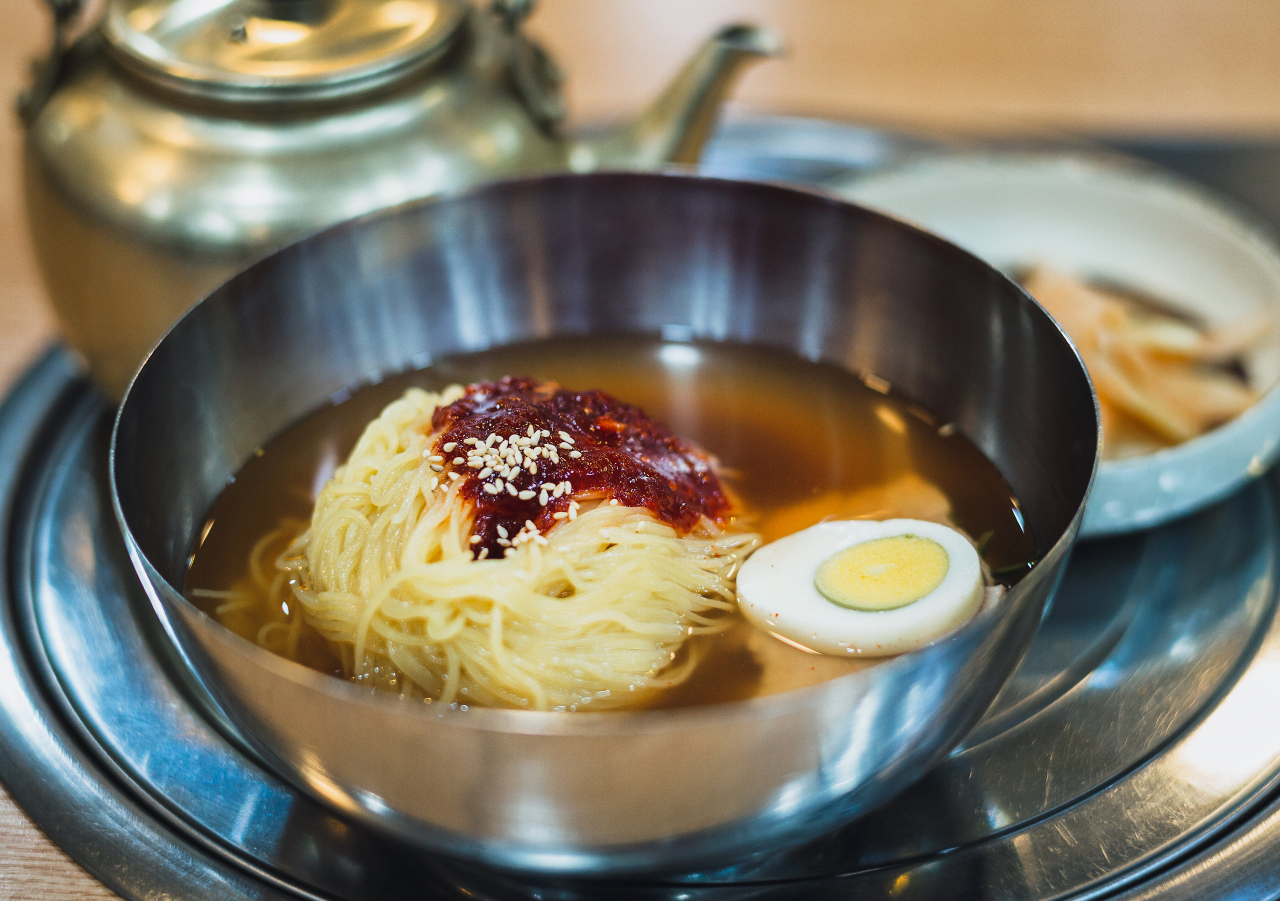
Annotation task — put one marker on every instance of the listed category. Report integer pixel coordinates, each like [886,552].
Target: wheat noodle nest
[594,618]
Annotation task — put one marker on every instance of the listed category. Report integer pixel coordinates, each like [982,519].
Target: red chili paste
[604,449]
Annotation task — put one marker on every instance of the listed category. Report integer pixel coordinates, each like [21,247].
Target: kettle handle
[48,70]
[533,72]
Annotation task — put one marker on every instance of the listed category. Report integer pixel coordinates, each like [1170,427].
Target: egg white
[776,591]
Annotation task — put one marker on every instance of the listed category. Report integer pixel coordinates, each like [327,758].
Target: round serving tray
[1134,751]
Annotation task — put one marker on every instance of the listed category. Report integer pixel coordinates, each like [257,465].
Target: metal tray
[1135,750]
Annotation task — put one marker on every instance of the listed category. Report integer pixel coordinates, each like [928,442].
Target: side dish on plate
[1161,379]
[1171,295]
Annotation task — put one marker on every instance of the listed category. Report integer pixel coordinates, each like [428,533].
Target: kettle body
[146,185]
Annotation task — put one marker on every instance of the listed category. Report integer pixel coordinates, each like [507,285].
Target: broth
[796,441]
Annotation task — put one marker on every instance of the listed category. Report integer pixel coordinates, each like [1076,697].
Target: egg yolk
[884,573]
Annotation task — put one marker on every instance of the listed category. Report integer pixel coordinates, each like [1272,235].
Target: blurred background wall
[1114,66]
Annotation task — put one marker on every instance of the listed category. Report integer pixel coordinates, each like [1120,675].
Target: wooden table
[1118,66]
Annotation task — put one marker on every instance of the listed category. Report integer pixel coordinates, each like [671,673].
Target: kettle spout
[677,124]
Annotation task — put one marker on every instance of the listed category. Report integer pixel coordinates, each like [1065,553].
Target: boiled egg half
[863,587]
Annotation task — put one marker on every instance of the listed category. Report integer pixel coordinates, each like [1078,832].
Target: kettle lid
[272,50]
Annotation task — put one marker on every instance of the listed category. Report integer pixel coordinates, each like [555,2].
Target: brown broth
[796,441]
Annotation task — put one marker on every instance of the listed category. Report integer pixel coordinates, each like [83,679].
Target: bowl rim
[589,722]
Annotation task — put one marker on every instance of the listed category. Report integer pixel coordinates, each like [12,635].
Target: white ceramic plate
[1123,222]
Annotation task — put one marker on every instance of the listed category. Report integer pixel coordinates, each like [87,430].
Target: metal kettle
[177,140]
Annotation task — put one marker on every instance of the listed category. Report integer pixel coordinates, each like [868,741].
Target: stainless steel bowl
[604,793]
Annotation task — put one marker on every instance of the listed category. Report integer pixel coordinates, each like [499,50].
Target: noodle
[593,615]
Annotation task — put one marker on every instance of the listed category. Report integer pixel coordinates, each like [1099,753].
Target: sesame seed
[453,477]
[559,490]
[475,463]
[542,498]
[450,446]
[542,541]
[528,524]
[532,431]
[525,495]
[573,512]
[503,531]
[436,467]
[511,489]
[458,461]
[475,539]
[435,458]
[435,483]
[497,483]
[875,383]
[613,502]
[575,454]
[470,440]
[546,486]
[560,515]
[491,489]
[486,472]
[484,552]
[565,445]
[564,436]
